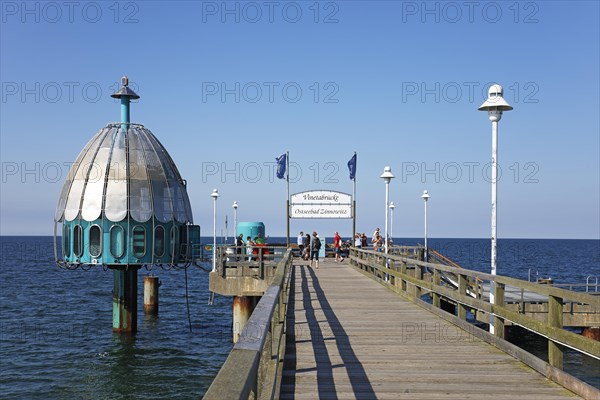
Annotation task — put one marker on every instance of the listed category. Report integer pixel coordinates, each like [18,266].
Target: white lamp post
[425,196]
[387,176]
[494,105]
[392,206]
[235,234]
[215,196]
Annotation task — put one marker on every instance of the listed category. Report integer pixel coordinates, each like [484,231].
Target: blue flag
[281,164]
[352,167]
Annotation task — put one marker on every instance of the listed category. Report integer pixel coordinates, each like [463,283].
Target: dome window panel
[117,241]
[138,243]
[67,240]
[95,241]
[77,240]
[159,241]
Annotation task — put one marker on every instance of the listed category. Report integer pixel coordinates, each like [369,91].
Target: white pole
[426,248]
[214,268]
[494,217]
[494,105]
[392,223]
[387,204]
[235,234]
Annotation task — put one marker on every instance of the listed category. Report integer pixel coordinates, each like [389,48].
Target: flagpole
[354,205]
[287,201]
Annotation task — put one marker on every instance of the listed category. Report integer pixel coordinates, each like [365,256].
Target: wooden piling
[242,309]
[151,285]
[125,300]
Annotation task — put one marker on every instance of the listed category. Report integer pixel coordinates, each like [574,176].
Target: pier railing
[248,261]
[254,367]
[464,290]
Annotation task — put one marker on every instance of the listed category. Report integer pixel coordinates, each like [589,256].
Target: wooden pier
[359,329]
[352,338]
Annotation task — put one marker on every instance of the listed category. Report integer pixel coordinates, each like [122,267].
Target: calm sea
[55,325]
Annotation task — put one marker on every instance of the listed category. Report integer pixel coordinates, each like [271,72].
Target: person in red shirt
[337,242]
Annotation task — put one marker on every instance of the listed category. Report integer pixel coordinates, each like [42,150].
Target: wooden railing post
[499,301]
[274,326]
[282,297]
[462,290]
[403,271]
[555,319]
[419,276]
[374,260]
[436,283]
[361,255]
[392,277]
[261,263]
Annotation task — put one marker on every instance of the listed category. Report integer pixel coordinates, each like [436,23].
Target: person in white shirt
[376,232]
[357,241]
[300,242]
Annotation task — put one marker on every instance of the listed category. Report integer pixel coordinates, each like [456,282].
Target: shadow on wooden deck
[359,380]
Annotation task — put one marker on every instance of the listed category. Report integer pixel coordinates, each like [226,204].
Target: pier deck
[349,337]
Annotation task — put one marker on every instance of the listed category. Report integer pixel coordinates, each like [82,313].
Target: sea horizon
[395,237]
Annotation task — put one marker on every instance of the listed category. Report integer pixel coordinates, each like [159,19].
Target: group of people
[360,241]
[310,245]
[377,241]
[250,249]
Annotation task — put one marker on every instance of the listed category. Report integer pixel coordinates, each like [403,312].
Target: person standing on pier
[357,241]
[377,240]
[306,247]
[300,242]
[249,244]
[315,246]
[363,239]
[376,233]
[337,243]
[239,242]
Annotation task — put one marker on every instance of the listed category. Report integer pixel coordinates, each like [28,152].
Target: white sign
[321,204]
[321,197]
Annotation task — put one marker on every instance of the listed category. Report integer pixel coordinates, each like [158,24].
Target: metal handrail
[443,258]
[587,282]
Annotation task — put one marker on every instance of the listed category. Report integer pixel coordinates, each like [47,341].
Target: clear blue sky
[397,82]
